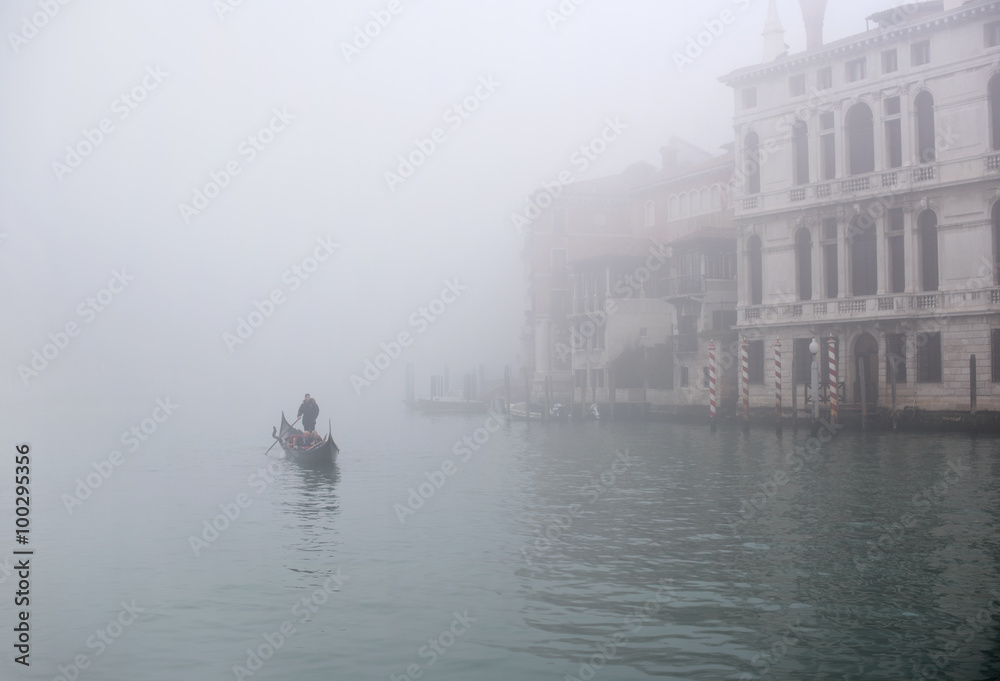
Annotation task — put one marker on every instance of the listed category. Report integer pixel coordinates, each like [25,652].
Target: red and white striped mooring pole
[777,384]
[831,346]
[745,370]
[711,382]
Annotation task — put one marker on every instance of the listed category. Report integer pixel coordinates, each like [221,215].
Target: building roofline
[969,10]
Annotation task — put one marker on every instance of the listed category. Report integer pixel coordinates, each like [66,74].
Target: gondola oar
[278,439]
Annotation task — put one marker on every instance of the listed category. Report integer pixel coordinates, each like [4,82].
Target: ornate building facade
[867,199]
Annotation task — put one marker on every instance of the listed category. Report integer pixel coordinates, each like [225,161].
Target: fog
[212,75]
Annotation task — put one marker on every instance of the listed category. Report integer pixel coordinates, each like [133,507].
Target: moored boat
[519,411]
[323,452]
[447,406]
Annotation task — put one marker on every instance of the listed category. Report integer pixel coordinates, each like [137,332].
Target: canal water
[443,548]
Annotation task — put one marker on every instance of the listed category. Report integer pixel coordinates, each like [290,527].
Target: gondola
[324,452]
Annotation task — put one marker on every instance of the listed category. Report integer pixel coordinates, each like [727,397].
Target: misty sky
[218,81]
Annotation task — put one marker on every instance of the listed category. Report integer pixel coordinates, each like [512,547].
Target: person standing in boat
[309,411]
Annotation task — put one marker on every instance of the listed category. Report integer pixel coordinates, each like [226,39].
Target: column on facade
[842,253]
[906,124]
[909,250]
[742,270]
[816,259]
[881,254]
[878,128]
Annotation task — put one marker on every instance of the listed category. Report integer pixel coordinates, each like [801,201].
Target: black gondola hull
[324,452]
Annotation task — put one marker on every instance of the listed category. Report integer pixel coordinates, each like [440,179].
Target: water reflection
[311,507]
[807,595]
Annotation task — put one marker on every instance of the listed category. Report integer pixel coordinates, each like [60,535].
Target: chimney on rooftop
[668,156]
[774,35]
[813,12]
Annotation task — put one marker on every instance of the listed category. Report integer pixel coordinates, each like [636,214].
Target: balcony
[879,184]
[625,306]
[588,304]
[689,285]
[873,307]
[686,342]
[856,184]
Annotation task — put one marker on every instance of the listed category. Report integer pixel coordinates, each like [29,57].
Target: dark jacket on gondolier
[308,410]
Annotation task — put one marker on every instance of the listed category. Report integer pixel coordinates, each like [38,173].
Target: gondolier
[309,411]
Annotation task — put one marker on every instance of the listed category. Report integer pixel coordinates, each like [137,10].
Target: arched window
[755,269]
[673,210]
[994,99]
[695,202]
[803,263]
[706,202]
[927,223]
[864,262]
[650,214]
[685,206]
[860,140]
[716,198]
[800,152]
[924,106]
[751,163]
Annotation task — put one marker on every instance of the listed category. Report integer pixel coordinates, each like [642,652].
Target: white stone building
[868,206]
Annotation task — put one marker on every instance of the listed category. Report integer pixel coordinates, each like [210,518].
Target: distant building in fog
[868,206]
[628,277]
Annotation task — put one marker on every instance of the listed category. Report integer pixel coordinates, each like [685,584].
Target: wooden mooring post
[795,402]
[893,363]
[972,384]
[863,375]
[506,392]
[527,396]
[711,383]
[611,393]
[745,375]
[777,386]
